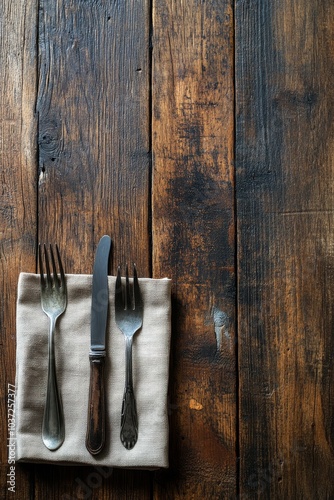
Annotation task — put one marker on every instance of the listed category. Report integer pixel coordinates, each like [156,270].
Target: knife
[95,436]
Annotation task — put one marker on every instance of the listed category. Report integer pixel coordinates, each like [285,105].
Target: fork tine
[136,290]
[54,269]
[127,290]
[61,269]
[40,261]
[47,265]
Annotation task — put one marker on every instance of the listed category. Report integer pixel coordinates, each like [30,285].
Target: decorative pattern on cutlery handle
[95,437]
[129,419]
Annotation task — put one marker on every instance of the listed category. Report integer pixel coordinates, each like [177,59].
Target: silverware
[53,301]
[129,319]
[95,436]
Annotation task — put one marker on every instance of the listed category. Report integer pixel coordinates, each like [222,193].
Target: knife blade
[95,435]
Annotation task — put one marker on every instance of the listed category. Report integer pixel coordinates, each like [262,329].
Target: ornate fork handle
[129,419]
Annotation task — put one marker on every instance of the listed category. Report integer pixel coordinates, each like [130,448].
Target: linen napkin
[72,342]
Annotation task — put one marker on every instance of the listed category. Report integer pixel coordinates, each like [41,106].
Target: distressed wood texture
[18,195]
[285,202]
[94,168]
[93,136]
[126,118]
[193,239]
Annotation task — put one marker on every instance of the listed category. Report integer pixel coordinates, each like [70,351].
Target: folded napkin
[72,342]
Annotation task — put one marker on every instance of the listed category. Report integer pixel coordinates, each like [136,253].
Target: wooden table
[199,135]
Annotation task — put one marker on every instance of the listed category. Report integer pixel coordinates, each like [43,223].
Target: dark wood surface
[199,135]
[284,196]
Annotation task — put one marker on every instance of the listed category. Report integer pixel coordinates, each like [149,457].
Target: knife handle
[95,436]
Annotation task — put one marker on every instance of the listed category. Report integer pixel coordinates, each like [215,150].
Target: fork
[129,319]
[53,301]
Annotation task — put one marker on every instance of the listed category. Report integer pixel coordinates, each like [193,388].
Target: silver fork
[53,301]
[129,319]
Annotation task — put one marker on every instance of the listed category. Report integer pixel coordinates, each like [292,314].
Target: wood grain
[94,164]
[121,118]
[95,436]
[284,186]
[193,239]
[18,193]
[93,108]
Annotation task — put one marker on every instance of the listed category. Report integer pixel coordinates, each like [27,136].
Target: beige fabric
[72,342]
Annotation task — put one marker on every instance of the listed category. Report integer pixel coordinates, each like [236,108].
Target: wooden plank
[94,168]
[193,239]
[93,109]
[284,134]
[18,199]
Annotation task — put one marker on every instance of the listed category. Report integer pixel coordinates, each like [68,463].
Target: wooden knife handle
[95,436]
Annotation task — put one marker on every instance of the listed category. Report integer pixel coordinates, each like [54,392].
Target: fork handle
[95,436]
[129,419]
[53,427]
